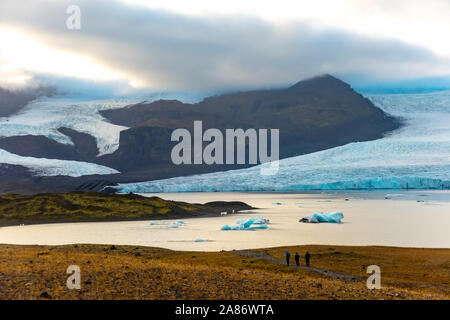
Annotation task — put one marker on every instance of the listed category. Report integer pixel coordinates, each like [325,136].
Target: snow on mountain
[415,156]
[54,167]
[45,116]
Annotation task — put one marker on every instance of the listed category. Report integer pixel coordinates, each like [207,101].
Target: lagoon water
[405,218]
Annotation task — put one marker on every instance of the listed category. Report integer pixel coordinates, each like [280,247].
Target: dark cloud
[172,51]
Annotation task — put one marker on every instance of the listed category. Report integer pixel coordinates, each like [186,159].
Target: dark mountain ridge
[312,115]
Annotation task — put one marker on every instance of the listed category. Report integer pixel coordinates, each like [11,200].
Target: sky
[200,45]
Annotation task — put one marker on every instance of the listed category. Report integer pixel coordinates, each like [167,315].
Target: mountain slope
[312,115]
[13,101]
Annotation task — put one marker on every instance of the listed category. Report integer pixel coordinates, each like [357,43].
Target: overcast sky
[211,45]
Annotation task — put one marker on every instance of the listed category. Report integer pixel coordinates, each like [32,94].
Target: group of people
[297,258]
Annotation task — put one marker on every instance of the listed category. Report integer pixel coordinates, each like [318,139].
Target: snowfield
[415,156]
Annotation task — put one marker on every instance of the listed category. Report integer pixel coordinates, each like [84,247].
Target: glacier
[44,116]
[416,156]
[54,167]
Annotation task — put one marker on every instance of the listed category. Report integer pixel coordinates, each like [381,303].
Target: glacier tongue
[54,167]
[44,116]
[415,156]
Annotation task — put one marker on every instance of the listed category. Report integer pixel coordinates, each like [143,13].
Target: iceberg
[255,220]
[157,223]
[242,227]
[329,217]
[201,240]
[254,223]
[176,224]
[416,156]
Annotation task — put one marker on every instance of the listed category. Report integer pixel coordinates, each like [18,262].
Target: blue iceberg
[254,223]
[176,224]
[255,220]
[318,217]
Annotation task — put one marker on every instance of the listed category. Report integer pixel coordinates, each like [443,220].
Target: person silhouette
[288,256]
[307,257]
[297,259]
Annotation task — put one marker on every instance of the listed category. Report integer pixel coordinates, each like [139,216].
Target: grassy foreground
[94,206]
[126,272]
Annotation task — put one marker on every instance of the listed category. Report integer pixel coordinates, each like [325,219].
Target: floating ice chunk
[317,217]
[157,223]
[393,195]
[246,225]
[262,227]
[255,220]
[176,224]
[173,226]
[428,203]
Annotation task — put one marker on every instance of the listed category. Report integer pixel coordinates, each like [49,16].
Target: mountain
[311,115]
[415,157]
[12,101]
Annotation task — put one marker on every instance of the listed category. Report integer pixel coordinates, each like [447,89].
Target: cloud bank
[164,50]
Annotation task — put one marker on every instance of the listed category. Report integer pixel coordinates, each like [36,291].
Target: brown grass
[151,273]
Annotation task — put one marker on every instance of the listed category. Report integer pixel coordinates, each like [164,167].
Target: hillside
[91,206]
[130,272]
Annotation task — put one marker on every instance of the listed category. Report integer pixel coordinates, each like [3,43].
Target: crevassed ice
[44,116]
[54,167]
[415,156]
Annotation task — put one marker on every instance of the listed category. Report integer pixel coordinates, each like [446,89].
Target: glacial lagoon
[386,218]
